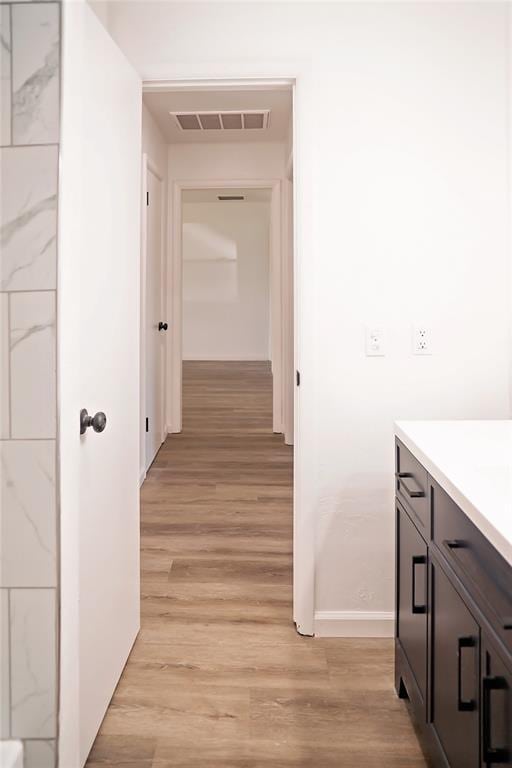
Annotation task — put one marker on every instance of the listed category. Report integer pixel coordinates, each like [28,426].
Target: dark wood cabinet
[412,597]
[455,673]
[453,649]
[496,705]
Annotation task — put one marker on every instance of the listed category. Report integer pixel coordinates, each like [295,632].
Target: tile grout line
[26,439]
[31,290]
[9,648]
[9,362]
[11,64]
[30,146]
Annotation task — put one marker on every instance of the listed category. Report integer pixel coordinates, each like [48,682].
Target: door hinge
[147,198]
[147,424]
[297,378]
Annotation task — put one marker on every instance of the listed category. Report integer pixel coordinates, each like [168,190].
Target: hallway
[218,677]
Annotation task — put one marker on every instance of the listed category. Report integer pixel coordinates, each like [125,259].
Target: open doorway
[231,256]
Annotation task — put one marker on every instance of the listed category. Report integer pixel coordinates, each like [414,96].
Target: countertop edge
[494,536]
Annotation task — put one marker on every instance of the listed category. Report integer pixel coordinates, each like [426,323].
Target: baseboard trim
[142,477]
[354,624]
[226,359]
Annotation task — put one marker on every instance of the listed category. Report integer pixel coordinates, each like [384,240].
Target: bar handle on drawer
[417,560]
[413,493]
[467,705]
[491,754]
[454,543]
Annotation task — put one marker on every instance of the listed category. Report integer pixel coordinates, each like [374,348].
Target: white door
[156,323]
[99,320]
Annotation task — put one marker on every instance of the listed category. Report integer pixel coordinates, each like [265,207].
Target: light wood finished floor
[218,676]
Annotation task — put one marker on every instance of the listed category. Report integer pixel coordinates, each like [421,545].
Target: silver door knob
[98,422]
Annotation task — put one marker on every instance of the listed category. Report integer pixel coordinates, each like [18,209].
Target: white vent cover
[248,119]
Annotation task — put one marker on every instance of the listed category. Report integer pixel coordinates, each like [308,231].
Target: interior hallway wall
[401,177]
[226,288]
[29,162]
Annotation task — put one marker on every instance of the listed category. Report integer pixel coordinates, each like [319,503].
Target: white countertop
[472,461]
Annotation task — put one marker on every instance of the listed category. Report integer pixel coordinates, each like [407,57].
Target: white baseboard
[142,477]
[354,623]
[226,358]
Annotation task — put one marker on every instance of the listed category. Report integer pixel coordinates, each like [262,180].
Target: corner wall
[30,69]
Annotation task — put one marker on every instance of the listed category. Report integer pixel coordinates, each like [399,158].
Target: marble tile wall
[29,152]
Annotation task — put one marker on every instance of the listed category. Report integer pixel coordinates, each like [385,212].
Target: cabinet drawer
[412,487]
[486,574]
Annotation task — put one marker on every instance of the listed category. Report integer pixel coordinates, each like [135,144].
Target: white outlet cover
[422,340]
[374,342]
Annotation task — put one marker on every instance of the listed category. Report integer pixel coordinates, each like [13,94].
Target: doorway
[280,291]
[204,153]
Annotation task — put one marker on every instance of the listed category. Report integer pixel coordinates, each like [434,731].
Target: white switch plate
[375,342]
[421,340]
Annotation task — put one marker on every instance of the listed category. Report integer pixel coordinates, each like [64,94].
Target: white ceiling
[279,102]
[211,195]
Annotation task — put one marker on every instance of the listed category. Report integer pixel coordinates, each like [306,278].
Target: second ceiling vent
[249,119]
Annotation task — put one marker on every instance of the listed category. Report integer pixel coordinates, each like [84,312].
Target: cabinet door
[455,676]
[412,597]
[496,708]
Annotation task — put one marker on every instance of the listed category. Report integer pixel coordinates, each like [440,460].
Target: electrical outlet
[422,340]
[375,342]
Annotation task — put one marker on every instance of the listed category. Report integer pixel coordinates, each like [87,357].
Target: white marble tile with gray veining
[35,73]
[39,754]
[28,536]
[33,369]
[33,663]
[28,218]
[5,702]
[4,366]
[5,74]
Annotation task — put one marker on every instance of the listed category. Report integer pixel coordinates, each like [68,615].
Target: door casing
[303,506]
[176,290]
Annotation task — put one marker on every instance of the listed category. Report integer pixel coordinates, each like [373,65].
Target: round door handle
[98,422]
[162,326]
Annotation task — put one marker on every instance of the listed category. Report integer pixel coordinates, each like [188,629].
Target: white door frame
[176,286]
[149,166]
[303,506]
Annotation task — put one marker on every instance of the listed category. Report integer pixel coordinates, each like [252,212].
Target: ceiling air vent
[246,120]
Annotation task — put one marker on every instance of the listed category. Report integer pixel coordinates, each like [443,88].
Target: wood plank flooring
[218,676]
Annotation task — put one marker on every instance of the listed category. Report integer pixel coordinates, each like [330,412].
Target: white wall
[226,288]
[402,216]
[102,10]
[212,162]
[153,143]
